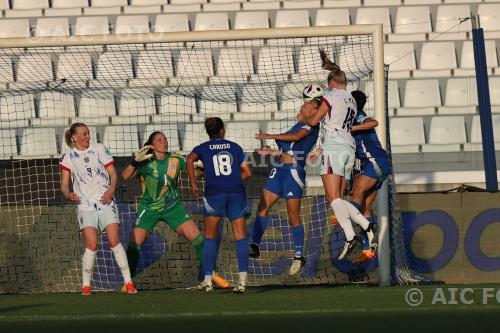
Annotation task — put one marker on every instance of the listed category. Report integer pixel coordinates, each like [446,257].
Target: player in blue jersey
[225,169]
[375,167]
[288,178]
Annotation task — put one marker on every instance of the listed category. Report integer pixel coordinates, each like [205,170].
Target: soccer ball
[312,91]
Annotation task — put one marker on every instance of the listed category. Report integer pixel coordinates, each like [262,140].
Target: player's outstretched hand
[264,151]
[314,154]
[326,62]
[142,154]
[73,197]
[107,197]
[262,136]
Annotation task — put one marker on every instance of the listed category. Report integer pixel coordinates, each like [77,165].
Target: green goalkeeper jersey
[160,182]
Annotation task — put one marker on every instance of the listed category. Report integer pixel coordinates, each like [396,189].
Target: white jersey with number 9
[337,123]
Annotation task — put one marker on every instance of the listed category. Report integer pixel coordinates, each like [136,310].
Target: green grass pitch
[305,309]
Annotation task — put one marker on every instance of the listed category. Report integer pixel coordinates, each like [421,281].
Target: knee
[92,246]
[114,242]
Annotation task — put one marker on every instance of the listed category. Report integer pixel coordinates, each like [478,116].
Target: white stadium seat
[132,24]
[412,24]
[14,28]
[259,99]
[74,67]
[374,16]
[142,10]
[15,110]
[175,108]
[38,142]
[195,64]
[109,3]
[275,61]
[446,134]
[394,100]
[171,23]
[69,3]
[494,83]
[194,135]
[8,145]
[4,4]
[114,66]
[218,100]
[154,67]
[476,138]
[292,18]
[170,131]
[221,7]
[187,2]
[63,12]
[56,105]
[447,22]
[189,8]
[211,21]
[94,11]
[261,5]
[332,17]
[341,3]
[30,4]
[243,133]
[437,60]
[422,97]
[97,110]
[52,27]
[302,4]
[251,20]
[461,96]
[34,68]
[407,134]
[461,1]
[401,58]
[121,140]
[6,70]
[235,62]
[136,102]
[422,2]
[490,19]
[97,25]
[467,64]
[309,64]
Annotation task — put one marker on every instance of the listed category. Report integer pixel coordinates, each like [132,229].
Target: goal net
[126,87]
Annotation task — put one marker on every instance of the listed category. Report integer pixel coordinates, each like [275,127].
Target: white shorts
[337,159]
[98,217]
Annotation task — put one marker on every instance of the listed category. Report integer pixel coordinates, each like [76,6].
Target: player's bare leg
[89,235]
[267,200]
[293,209]
[113,236]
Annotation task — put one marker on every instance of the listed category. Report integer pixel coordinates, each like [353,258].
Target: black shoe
[348,247]
[254,250]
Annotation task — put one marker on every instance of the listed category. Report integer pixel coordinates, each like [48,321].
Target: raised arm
[192,157]
[290,137]
[315,118]
[367,124]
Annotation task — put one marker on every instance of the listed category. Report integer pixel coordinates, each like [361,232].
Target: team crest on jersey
[86,159]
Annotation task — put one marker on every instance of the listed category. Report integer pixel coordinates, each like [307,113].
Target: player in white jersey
[93,175]
[336,114]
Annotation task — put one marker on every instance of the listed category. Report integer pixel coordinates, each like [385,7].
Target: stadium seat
[461,1]
[301,4]
[195,65]
[55,109]
[175,108]
[211,21]
[109,3]
[332,17]
[5,71]
[447,22]
[221,7]
[153,68]
[97,25]
[30,4]
[34,68]
[170,131]
[136,105]
[377,3]
[407,134]
[374,16]
[251,20]
[494,83]
[467,64]
[189,8]
[341,3]
[461,96]
[52,27]
[309,63]
[437,60]
[193,135]
[76,68]
[401,60]
[96,110]
[426,2]
[476,138]
[259,99]
[94,11]
[69,3]
[114,68]
[412,24]
[4,4]
[394,100]
[422,97]
[63,12]
[16,110]
[243,133]
[490,19]
[132,24]
[235,63]
[275,61]
[121,140]
[171,23]
[446,134]
[219,100]
[261,5]
[38,142]
[8,147]
[292,18]
[14,28]
[142,10]
[187,2]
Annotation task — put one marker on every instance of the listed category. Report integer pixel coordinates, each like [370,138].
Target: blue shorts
[287,181]
[230,205]
[378,169]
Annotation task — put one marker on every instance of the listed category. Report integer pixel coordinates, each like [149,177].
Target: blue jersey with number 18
[221,159]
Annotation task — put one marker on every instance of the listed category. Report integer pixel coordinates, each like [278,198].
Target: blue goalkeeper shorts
[287,181]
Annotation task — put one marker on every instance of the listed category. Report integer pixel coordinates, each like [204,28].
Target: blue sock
[209,255]
[371,219]
[259,227]
[298,240]
[242,254]
[357,205]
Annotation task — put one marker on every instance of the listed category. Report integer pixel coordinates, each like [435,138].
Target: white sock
[356,215]
[343,218]
[88,260]
[121,260]
[243,277]
[208,279]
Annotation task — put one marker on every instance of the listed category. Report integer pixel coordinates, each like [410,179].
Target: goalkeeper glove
[141,156]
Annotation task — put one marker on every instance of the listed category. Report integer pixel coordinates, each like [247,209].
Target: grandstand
[432,98]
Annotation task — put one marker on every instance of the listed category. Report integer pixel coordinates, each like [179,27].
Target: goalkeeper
[287,180]
[160,201]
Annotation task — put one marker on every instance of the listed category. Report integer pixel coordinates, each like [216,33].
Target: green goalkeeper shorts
[173,216]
